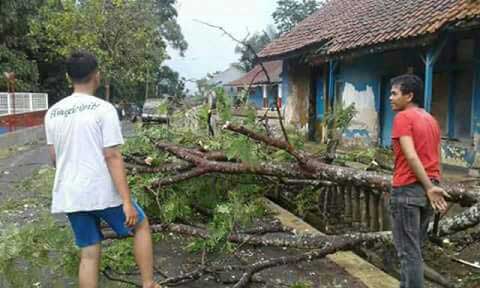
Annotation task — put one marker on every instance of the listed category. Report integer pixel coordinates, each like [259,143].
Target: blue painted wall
[475,127]
[362,73]
[375,71]
[257,98]
[386,115]
[320,98]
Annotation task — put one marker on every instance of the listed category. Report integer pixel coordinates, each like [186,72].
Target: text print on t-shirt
[75,109]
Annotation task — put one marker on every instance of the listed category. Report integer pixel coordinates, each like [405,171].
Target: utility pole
[146,83]
[10,77]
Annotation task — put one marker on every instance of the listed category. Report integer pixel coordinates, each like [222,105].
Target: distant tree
[286,16]
[15,52]
[168,82]
[25,70]
[14,21]
[257,41]
[128,37]
[166,20]
[204,85]
[290,12]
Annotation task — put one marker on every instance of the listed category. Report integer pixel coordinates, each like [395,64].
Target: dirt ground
[441,259]
[172,259]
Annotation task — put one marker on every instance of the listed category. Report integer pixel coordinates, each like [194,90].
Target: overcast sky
[209,50]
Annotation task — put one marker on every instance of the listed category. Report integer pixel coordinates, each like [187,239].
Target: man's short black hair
[80,66]
[409,83]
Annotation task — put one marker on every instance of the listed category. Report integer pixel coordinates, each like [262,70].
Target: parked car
[154,110]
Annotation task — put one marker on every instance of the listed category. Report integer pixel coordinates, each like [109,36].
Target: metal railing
[22,103]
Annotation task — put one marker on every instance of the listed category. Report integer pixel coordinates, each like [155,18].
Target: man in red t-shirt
[416,147]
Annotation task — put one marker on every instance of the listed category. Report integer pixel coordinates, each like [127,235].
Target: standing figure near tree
[416,146]
[83,135]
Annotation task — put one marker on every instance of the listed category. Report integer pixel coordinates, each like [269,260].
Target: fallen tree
[196,162]
[307,166]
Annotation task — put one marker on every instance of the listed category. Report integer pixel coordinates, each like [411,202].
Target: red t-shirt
[424,130]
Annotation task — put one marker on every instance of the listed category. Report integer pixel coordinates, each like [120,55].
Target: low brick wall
[18,121]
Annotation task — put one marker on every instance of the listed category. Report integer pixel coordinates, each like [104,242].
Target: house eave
[318,58]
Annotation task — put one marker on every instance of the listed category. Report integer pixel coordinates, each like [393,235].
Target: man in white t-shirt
[83,135]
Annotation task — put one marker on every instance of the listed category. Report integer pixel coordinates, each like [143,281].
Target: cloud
[209,50]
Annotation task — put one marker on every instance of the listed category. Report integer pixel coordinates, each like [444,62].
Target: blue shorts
[86,224]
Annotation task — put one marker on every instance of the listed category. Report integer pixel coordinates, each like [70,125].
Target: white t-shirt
[79,127]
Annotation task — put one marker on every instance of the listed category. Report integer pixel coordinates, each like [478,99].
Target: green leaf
[241,148]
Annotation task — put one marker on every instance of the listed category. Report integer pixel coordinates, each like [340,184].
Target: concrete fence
[22,102]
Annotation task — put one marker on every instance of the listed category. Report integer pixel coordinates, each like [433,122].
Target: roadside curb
[368,274]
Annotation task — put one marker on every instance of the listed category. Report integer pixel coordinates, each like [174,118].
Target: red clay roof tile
[256,76]
[342,25]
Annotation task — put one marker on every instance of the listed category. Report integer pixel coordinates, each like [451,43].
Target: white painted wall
[367,116]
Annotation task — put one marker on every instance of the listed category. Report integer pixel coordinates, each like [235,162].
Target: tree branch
[330,248]
[169,167]
[256,59]
[271,240]
[277,143]
[169,180]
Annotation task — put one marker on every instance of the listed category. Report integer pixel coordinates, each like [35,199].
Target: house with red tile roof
[347,52]
[263,88]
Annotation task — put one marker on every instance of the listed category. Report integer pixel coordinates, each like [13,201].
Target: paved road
[23,164]
[19,167]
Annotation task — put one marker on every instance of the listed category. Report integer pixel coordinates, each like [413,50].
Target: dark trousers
[411,212]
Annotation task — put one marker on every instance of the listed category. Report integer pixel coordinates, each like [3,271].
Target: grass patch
[41,183]
[38,188]
[28,250]
[10,151]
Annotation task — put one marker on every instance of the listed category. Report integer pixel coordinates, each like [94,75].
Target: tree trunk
[107,90]
[273,240]
[308,167]
[460,222]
